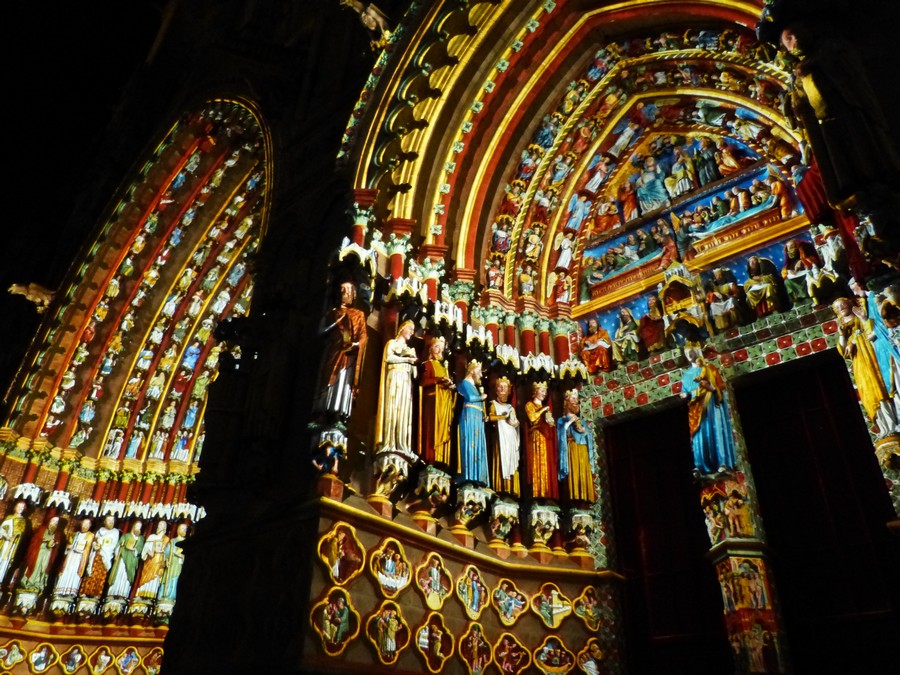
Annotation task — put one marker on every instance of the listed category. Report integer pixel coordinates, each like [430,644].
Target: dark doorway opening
[673,607]
[824,506]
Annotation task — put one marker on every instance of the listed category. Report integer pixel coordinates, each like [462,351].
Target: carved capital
[462,291]
[527,320]
[562,327]
[397,244]
[391,470]
[428,268]
[492,315]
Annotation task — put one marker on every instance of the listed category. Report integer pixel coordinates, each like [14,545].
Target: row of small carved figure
[90,572]
[337,623]
[44,657]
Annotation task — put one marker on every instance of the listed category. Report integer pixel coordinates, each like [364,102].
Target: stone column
[509,328]
[431,269]
[561,329]
[543,329]
[362,214]
[462,292]
[491,317]
[728,500]
[526,323]
[396,242]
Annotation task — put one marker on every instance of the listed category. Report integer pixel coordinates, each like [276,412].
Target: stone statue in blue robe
[473,461]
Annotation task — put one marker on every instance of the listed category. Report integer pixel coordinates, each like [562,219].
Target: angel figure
[372,18]
[564,242]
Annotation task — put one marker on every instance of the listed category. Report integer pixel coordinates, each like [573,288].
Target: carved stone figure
[393,432]
[174,561]
[596,348]
[42,552]
[840,113]
[77,552]
[504,441]
[473,462]
[712,439]
[576,451]
[436,400]
[125,564]
[540,445]
[12,530]
[100,559]
[40,296]
[153,555]
[345,328]
[856,338]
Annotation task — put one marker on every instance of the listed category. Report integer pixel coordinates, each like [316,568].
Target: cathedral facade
[469,337]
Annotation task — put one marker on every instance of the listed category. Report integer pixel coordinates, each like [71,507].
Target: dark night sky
[67,66]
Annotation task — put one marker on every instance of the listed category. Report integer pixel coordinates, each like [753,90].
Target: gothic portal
[471,337]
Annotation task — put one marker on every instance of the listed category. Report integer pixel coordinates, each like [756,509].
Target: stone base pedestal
[425,520]
[500,548]
[519,550]
[463,535]
[541,553]
[383,506]
[582,558]
[330,486]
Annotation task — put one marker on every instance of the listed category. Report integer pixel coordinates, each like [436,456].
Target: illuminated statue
[41,554]
[77,552]
[393,432]
[596,348]
[712,439]
[540,445]
[100,560]
[153,555]
[435,406]
[576,450]
[473,463]
[126,561]
[504,441]
[856,344]
[345,328]
[11,530]
[174,561]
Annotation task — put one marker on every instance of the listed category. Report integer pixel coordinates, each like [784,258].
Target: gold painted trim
[345,512]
